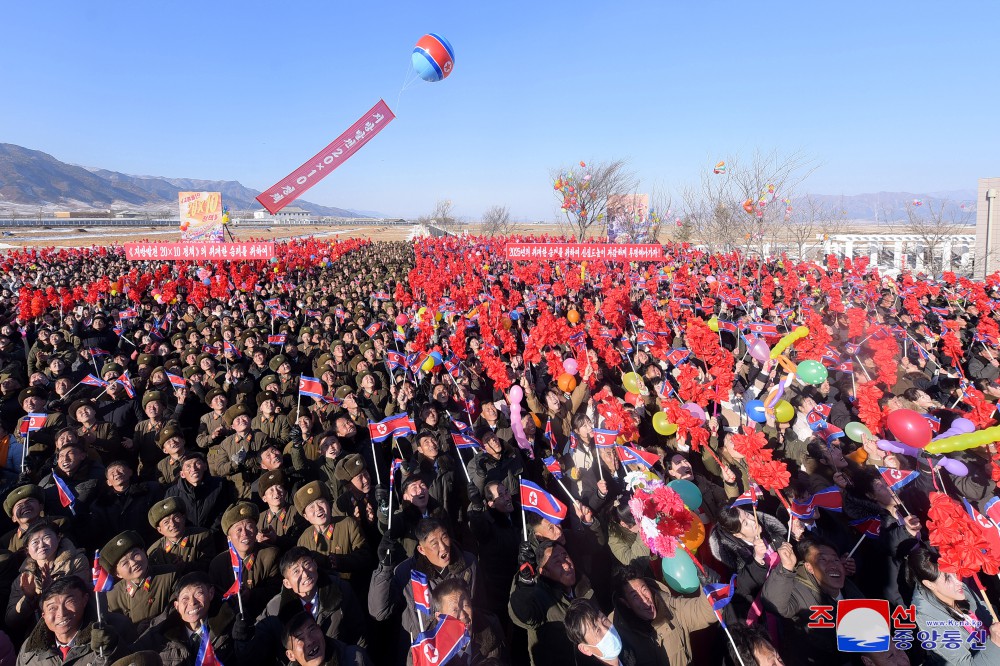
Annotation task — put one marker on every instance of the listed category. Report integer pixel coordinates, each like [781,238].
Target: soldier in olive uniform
[236,458]
[261,578]
[335,536]
[185,548]
[142,592]
[280,523]
[273,425]
[212,428]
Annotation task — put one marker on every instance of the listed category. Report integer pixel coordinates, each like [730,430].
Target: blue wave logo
[851,644]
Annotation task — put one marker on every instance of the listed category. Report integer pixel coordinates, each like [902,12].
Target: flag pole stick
[461,462]
[857,545]
[982,593]
[524,518]
[24,450]
[378,476]
[566,490]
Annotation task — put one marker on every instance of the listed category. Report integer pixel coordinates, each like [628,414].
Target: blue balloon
[679,572]
[433,57]
[438,360]
[690,493]
[514,315]
[206,282]
[756,411]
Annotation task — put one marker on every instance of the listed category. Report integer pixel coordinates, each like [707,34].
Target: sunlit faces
[301,577]
[317,512]
[243,535]
[42,545]
[133,566]
[193,602]
[63,614]
[307,645]
[436,547]
[555,564]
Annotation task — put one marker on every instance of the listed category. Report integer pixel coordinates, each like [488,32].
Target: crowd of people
[359,447]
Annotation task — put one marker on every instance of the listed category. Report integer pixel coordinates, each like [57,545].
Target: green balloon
[855,431]
[812,372]
[690,493]
[679,572]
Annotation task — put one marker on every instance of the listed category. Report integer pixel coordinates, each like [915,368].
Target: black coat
[205,504]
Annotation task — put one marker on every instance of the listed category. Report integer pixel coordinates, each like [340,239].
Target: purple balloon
[956,467]
[898,447]
[963,426]
[570,366]
[695,410]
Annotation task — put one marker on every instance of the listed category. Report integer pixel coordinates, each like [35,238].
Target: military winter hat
[212,395]
[30,392]
[267,380]
[267,395]
[143,658]
[236,513]
[349,467]
[20,493]
[276,362]
[234,411]
[167,434]
[343,392]
[161,510]
[150,396]
[118,547]
[272,478]
[308,494]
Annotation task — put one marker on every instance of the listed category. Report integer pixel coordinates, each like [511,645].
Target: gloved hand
[527,566]
[476,505]
[102,637]
[382,498]
[242,630]
[385,550]
[238,457]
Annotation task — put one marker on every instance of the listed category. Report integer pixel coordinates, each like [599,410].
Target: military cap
[276,362]
[305,329]
[145,359]
[213,394]
[162,509]
[202,357]
[168,433]
[349,467]
[142,658]
[274,477]
[267,380]
[266,395]
[337,342]
[353,363]
[343,392]
[367,345]
[119,547]
[77,404]
[172,364]
[30,392]
[236,513]
[176,337]
[361,376]
[323,359]
[20,493]
[151,396]
[308,494]
[234,411]
[112,367]
[190,371]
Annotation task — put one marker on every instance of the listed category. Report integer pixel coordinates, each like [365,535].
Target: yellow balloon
[788,340]
[632,382]
[670,429]
[965,441]
[783,411]
[713,324]
[427,365]
[437,316]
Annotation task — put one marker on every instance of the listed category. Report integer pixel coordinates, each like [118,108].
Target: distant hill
[33,179]
[892,207]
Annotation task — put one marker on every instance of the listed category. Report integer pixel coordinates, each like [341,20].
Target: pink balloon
[570,366]
[760,351]
[710,279]
[516,394]
[910,427]
[402,320]
[695,410]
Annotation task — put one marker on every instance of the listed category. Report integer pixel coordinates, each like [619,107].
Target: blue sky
[885,96]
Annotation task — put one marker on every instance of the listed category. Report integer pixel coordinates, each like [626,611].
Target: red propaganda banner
[196,251]
[584,251]
[292,186]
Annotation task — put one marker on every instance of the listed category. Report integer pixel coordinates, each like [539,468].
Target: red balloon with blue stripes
[433,57]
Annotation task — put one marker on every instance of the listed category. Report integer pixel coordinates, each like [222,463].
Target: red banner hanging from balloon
[292,186]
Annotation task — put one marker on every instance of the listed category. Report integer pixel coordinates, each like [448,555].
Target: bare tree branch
[583,192]
[496,222]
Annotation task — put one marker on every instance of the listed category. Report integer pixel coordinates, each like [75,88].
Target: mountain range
[31,179]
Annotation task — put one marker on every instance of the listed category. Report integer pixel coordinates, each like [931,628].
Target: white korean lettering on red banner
[291,187]
[198,251]
[584,252]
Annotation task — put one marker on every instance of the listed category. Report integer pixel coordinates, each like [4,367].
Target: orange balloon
[567,382]
[573,316]
[695,536]
[506,323]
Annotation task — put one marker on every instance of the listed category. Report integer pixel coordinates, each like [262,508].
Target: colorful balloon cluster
[574,190]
